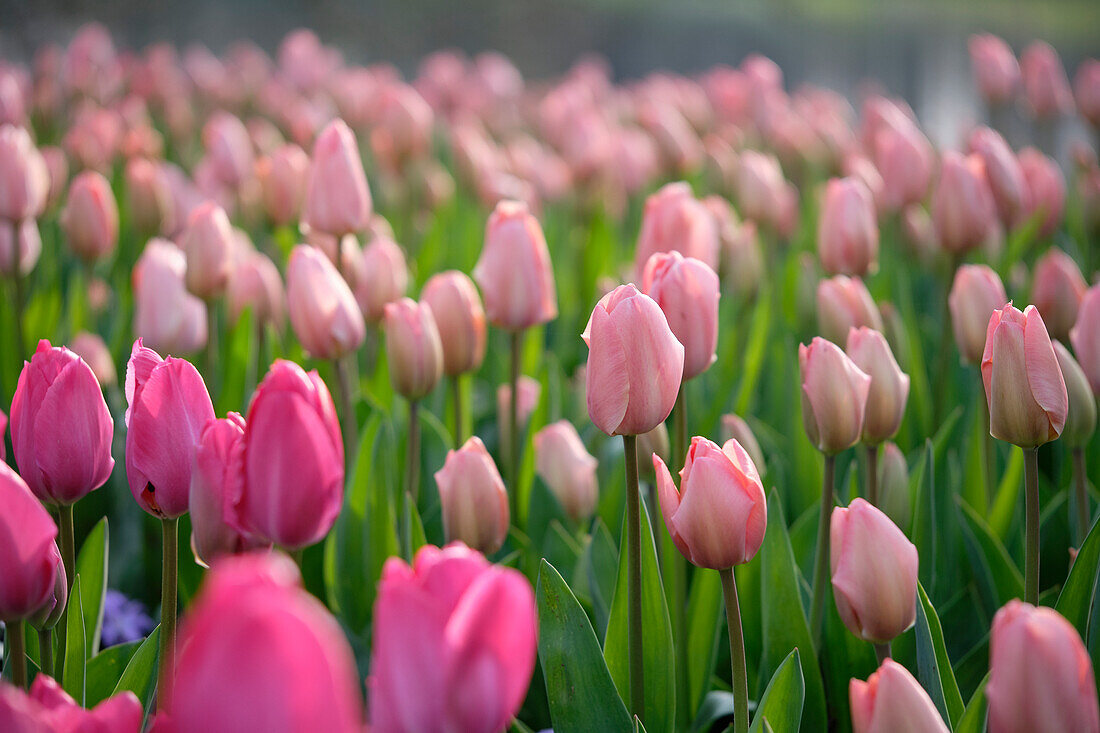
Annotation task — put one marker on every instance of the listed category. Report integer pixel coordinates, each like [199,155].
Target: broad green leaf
[140,675]
[91,566]
[601,562]
[72,677]
[1075,600]
[754,354]
[105,669]
[781,703]
[1008,491]
[933,665]
[997,576]
[704,631]
[973,718]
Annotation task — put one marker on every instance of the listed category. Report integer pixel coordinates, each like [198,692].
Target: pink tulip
[1085,336]
[1040,674]
[168,409]
[1081,417]
[257,652]
[24,178]
[635,363]
[3,432]
[257,285]
[733,427]
[165,314]
[28,245]
[27,534]
[473,499]
[323,312]
[529,392]
[889,391]
[1046,189]
[718,517]
[904,158]
[892,700]
[293,461]
[918,231]
[675,221]
[414,350]
[742,259]
[464,614]
[458,312]
[1086,87]
[976,292]
[228,148]
[962,205]
[759,185]
[57,168]
[1002,172]
[337,199]
[1023,384]
[383,278]
[282,177]
[91,348]
[687,291]
[1057,291]
[148,195]
[847,234]
[514,271]
[90,217]
[844,303]
[50,708]
[403,129]
[1045,83]
[996,71]
[834,396]
[567,468]
[208,244]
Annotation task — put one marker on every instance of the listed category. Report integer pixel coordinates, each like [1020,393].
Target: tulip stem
[17,294]
[347,409]
[168,580]
[872,475]
[254,369]
[882,652]
[211,361]
[1081,492]
[634,575]
[821,561]
[513,424]
[45,651]
[737,652]
[1031,525]
[673,564]
[68,559]
[679,429]
[988,454]
[18,658]
[456,397]
[412,478]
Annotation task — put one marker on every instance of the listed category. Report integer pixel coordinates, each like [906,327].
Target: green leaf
[1075,600]
[657,651]
[72,677]
[998,578]
[781,704]
[754,354]
[91,566]
[717,708]
[105,669]
[704,633]
[140,675]
[922,487]
[578,684]
[933,665]
[601,562]
[973,718]
[1008,491]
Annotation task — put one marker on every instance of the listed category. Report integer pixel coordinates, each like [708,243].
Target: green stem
[68,559]
[1080,490]
[513,424]
[679,430]
[673,564]
[211,355]
[821,561]
[1031,525]
[634,575]
[412,478]
[45,651]
[737,652]
[456,398]
[943,366]
[168,581]
[872,474]
[255,368]
[17,312]
[18,658]
[347,408]
[882,652]
[988,453]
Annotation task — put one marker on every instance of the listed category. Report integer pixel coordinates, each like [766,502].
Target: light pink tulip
[383,277]
[889,391]
[414,350]
[207,243]
[675,221]
[687,291]
[1081,417]
[323,312]
[165,314]
[456,305]
[337,199]
[962,204]
[1002,172]
[57,167]
[1045,84]
[834,396]
[904,158]
[892,700]
[514,271]
[257,285]
[282,176]
[228,148]
[996,70]
[473,498]
[26,247]
[529,392]
[759,185]
[1085,337]
[567,468]
[844,303]
[1046,188]
[49,708]
[976,292]
[847,234]
[733,427]
[148,195]
[24,178]
[1086,88]
[1057,291]
[27,534]
[90,217]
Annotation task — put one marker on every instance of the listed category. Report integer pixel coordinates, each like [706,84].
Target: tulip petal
[1044,376]
[607,384]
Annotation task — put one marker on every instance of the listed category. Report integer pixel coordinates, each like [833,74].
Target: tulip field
[336,399]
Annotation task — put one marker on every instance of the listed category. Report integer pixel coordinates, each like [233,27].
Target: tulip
[228,149]
[257,652]
[847,234]
[975,293]
[996,71]
[835,394]
[1057,292]
[889,390]
[208,244]
[456,305]
[282,176]
[165,314]
[529,392]
[1080,425]
[962,206]
[1085,337]
[148,195]
[1002,172]
[904,158]
[1040,675]
[57,168]
[90,217]
[1045,84]
[891,700]
[460,610]
[742,263]
[675,221]
[293,463]
[414,350]
[257,285]
[1046,187]
[1086,87]
[49,708]
[893,483]
[91,348]
[514,271]
[24,178]
[686,289]
[27,565]
[844,303]
[337,199]
[567,468]
[383,280]
[3,431]
[26,247]
[323,312]
[473,499]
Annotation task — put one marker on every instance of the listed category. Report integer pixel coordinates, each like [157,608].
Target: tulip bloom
[996,70]
[27,565]
[687,291]
[168,408]
[1057,291]
[760,187]
[834,396]
[456,305]
[49,708]
[904,158]
[976,292]
[228,149]
[383,277]
[24,178]
[1040,675]
[1081,417]
[847,234]
[414,350]
[675,221]
[963,210]
[91,348]
[23,247]
[733,427]
[462,613]
[1085,337]
[844,303]
[514,271]
[1046,189]
[567,467]
[282,176]
[891,700]
[165,313]
[208,244]
[148,195]
[635,363]
[90,217]
[337,199]
[257,285]
[323,312]
[889,391]
[474,501]
[1086,87]
[1002,172]
[1045,83]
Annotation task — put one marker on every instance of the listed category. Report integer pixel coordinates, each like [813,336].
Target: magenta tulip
[976,292]
[27,533]
[458,312]
[49,709]
[337,199]
[323,312]
[47,616]
[687,291]
[1086,88]
[733,427]
[834,396]
[1002,172]
[567,468]
[90,217]
[892,700]
[514,271]
[473,499]
[847,234]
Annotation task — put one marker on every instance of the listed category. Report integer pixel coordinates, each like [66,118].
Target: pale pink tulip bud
[1040,675]
[414,350]
[514,271]
[1046,188]
[1085,337]
[208,244]
[282,176]
[889,384]
[718,517]
[57,167]
[456,305]
[1081,418]
[91,348]
[759,185]
[847,234]
[976,292]
[166,316]
[562,461]
[904,158]
[1023,384]
[228,149]
[675,221]
[529,392]
[90,217]
[257,285]
[148,195]
[733,427]
[1045,83]
[24,178]
[26,247]
[686,289]
[1057,292]
[323,312]
[862,169]
[892,700]
[995,68]
[962,204]
[337,199]
[844,303]
[1002,172]
[474,502]
[834,396]
[403,128]
[1086,87]
[893,485]
[383,278]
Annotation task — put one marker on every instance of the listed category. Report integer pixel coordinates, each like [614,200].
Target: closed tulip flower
[963,211]
[905,160]
[414,350]
[257,285]
[456,305]
[514,271]
[464,613]
[893,485]
[718,517]
[337,199]
[567,467]
[996,71]
[60,427]
[474,502]
[383,278]
[1057,291]
[282,177]
[976,292]
[1045,83]
[687,291]
[1040,675]
[90,217]
[635,363]
[675,221]
[165,314]
[1086,88]
[847,234]
[735,428]
[892,700]
[834,396]
[844,303]
[24,246]
[1081,417]
[889,391]
[91,348]
[323,312]
[1046,189]
[228,148]
[207,243]
[1085,337]
[3,432]
[148,195]
[1002,172]
[1023,383]
[27,565]
[874,572]
[24,178]
[57,167]
[49,708]
[168,408]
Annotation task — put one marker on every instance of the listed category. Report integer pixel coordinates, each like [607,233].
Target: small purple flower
[124,619]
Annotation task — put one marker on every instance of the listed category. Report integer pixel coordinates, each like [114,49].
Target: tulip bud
[24,178]
[962,205]
[27,534]
[90,217]
[323,312]
[675,221]
[90,348]
[718,517]
[148,195]
[51,611]
[975,293]
[562,461]
[168,408]
[1045,83]
[1023,383]
[742,261]
[734,428]
[456,305]
[847,234]
[1046,189]
[228,148]
[1040,674]
[414,350]
[834,396]
[996,71]
[282,177]
[889,391]
[686,289]
[874,572]
[57,168]
[844,303]
[26,247]
[207,243]
[1057,291]
[759,186]
[3,432]
[893,485]
[635,363]
[1085,337]
[474,502]
[1081,417]
[337,199]
[529,392]
[383,278]
[165,314]
[891,700]
[257,285]
[1086,87]
[904,158]
[514,271]
[49,708]
[1002,172]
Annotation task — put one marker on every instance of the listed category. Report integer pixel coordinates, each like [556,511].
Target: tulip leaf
[1008,491]
[704,620]
[785,624]
[716,711]
[1075,600]
[140,675]
[973,718]
[105,669]
[754,354]
[578,684]
[933,665]
[781,704]
[91,566]
[72,676]
[601,562]
[658,651]
[998,579]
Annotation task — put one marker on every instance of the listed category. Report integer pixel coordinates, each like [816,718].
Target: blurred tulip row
[663,328]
